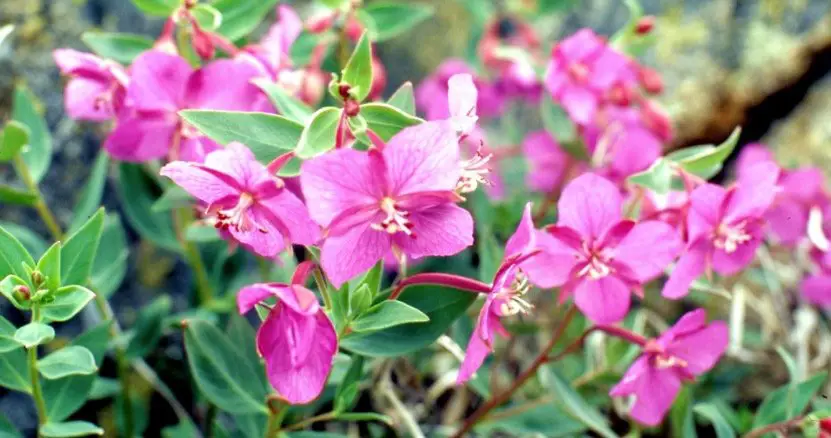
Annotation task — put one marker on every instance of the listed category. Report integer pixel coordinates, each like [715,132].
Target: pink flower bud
[351,107]
[21,293]
[657,120]
[353,28]
[650,80]
[645,25]
[320,23]
[202,43]
[379,78]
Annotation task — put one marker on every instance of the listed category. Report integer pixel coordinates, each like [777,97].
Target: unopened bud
[353,28]
[320,23]
[202,44]
[825,425]
[37,278]
[351,107]
[21,293]
[645,25]
[650,80]
[379,78]
[343,91]
[657,120]
[620,94]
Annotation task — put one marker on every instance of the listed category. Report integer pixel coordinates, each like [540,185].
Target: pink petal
[141,137]
[295,216]
[443,230]
[589,204]
[632,378]
[656,391]
[731,263]
[480,344]
[74,62]
[283,32]
[603,301]
[609,68]
[300,299]
[751,154]
[157,81]
[423,158]
[238,162]
[302,382]
[804,184]
[580,45]
[199,181]
[344,257]
[634,150]
[553,265]
[80,99]
[754,192]
[788,221]
[817,290]
[705,210]
[546,161]
[689,267]
[702,348]
[524,238]
[337,181]
[462,96]
[690,322]
[197,149]
[580,103]
[250,296]
[223,85]
[648,249]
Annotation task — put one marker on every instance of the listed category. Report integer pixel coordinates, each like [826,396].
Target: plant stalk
[193,257]
[37,392]
[43,210]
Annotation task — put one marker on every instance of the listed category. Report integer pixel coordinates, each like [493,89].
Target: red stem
[441,279]
[302,272]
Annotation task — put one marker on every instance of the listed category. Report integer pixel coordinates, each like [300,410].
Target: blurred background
[761,64]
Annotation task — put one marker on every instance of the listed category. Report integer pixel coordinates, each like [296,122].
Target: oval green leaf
[69,300]
[358,70]
[120,47]
[388,20]
[13,256]
[70,429]
[386,120]
[68,361]
[288,105]
[138,193]
[319,135]
[34,333]
[388,314]
[39,154]
[78,253]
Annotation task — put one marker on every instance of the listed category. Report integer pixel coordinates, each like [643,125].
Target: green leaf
[790,363]
[333,4]
[388,314]
[7,286]
[681,415]
[13,256]
[227,380]
[574,404]
[404,99]
[11,195]
[14,137]
[7,341]
[251,426]
[546,420]
[7,429]
[31,241]
[78,253]
[68,361]
[442,305]
[712,414]
[386,120]
[388,20]
[50,266]
[67,395]
[559,125]
[173,198]
[103,388]
[34,333]
[658,177]
[69,300]
[93,191]
[239,18]
[110,264]
[706,160]
[360,298]
[185,429]
[202,233]
[148,327]
[373,278]
[358,70]
[208,17]
[138,193]
[348,389]
[286,104]
[788,401]
[14,371]
[267,135]
[39,154]
[319,135]
[120,47]
[157,7]
[70,428]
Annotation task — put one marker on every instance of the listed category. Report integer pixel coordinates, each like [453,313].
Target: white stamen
[728,238]
[474,172]
[396,219]
[237,216]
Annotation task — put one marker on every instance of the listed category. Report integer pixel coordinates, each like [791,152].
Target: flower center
[578,72]
[188,131]
[660,358]
[728,238]
[597,263]
[236,216]
[511,297]
[474,172]
[396,219]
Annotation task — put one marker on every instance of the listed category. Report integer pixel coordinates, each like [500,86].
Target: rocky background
[762,64]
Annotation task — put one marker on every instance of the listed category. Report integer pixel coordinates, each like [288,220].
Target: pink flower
[461,102]
[248,203]
[272,52]
[724,227]
[297,339]
[688,349]
[525,261]
[547,161]
[598,256]
[433,94]
[402,197]
[96,89]
[583,70]
[161,85]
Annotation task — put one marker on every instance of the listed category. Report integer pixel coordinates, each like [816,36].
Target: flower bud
[37,278]
[353,28]
[343,91]
[825,425]
[379,79]
[320,23]
[351,107]
[202,44]
[645,25]
[21,293]
[657,120]
[650,80]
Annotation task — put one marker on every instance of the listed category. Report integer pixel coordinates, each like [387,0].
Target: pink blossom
[598,256]
[247,202]
[297,339]
[272,52]
[724,227]
[402,197]
[816,288]
[161,85]
[583,70]
[525,262]
[96,89]
[432,95]
[461,102]
[547,161]
[688,349]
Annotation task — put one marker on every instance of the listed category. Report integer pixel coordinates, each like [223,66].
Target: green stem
[121,361]
[193,257]
[45,214]
[323,287]
[302,424]
[37,393]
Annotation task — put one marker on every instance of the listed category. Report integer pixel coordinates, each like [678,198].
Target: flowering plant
[354,255]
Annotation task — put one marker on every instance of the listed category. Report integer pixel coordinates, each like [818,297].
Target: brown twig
[781,427]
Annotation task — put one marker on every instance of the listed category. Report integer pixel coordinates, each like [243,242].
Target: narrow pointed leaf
[387,120]
[93,192]
[388,314]
[13,256]
[70,429]
[120,47]
[358,70]
[288,105]
[38,155]
[78,252]
[404,99]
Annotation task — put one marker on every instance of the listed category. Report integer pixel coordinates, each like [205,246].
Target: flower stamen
[474,172]
[396,219]
[237,217]
[729,238]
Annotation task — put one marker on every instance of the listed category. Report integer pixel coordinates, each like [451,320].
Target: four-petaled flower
[247,202]
[401,197]
[97,87]
[524,264]
[297,339]
[598,256]
[724,227]
[685,351]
